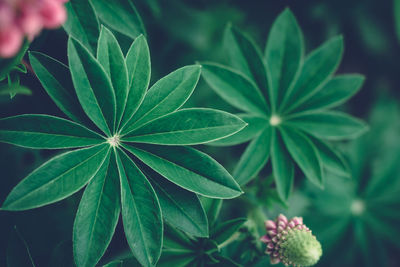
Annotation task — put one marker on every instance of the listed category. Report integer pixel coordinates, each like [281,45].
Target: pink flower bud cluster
[20,18]
[277,233]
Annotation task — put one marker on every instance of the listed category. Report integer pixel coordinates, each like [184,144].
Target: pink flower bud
[53,13]
[6,15]
[10,41]
[30,23]
[270,225]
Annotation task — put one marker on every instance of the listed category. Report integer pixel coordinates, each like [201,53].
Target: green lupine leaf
[82,23]
[335,92]
[165,96]
[284,53]
[332,125]
[93,87]
[14,89]
[56,80]
[175,240]
[97,216]
[139,71]
[331,159]
[223,231]
[46,132]
[187,127]
[245,56]
[141,212]
[120,15]
[255,125]
[110,56]
[57,179]
[282,166]
[317,69]
[212,207]
[234,88]
[7,64]
[180,208]
[254,158]
[304,154]
[188,168]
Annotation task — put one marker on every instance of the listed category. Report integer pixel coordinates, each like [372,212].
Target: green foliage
[10,69]
[359,218]
[85,18]
[129,140]
[182,250]
[286,97]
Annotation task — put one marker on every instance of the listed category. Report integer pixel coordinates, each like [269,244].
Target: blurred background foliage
[357,221]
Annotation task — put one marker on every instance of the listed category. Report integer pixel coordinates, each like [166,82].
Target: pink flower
[10,41]
[19,18]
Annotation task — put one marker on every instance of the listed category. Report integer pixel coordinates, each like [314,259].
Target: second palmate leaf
[286,98]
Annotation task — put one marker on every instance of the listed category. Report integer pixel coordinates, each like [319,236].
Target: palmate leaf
[57,179]
[111,91]
[331,125]
[97,215]
[254,157]
[246,57]
[138,64]
[282,166]
[179,207]
[187,127]
[165,96]
[255,125]
[297,96]
[141,213]
[93,87]
[284,53]
[188,168]
[235,88]
[46,132]
[110,56]
[56,79]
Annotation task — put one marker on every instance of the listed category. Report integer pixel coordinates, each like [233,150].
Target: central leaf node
[357,207]
[275,120]
[114,141]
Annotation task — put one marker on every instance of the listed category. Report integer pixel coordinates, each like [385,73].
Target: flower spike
[291,242]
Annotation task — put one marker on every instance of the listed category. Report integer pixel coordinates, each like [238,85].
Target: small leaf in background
[127,21]
[14,89]
[82,23]
[7,64]
[223,231]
